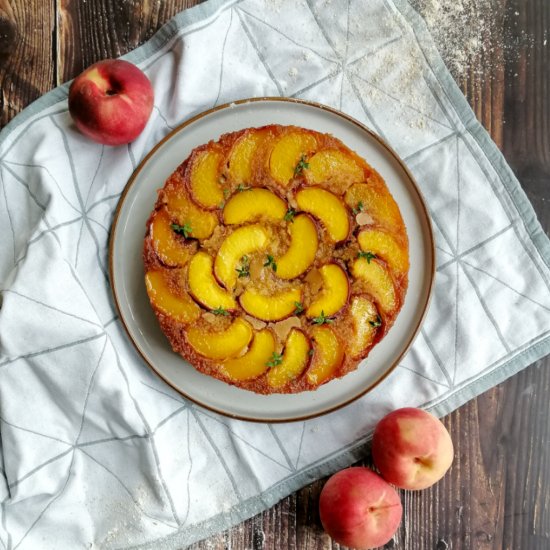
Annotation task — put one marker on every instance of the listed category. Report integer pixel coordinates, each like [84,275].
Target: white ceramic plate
[127,269]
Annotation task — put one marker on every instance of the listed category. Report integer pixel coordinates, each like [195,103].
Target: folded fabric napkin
[98,452]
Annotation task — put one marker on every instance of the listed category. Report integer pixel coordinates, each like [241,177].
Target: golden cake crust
[275,259]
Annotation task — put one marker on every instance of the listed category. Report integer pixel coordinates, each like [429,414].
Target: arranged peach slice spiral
[242,155]
[176,306]
[220,345]
[242,242]
[252,205]
[326,207]
[254,362]
[302,249]
[288,152]
[365,322]
[185,213]
[204,287]
[335,292]
[333,164]
[378,282]
[294,361]
[328,355]
[270,307]
[205,185]
[275,259]
[384,246]
[166,243]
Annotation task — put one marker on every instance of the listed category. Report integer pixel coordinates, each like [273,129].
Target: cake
[275,259]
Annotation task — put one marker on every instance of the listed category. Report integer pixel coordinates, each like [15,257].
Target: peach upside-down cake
[275,259]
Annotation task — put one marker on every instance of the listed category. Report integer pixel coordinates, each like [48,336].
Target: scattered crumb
[293,73]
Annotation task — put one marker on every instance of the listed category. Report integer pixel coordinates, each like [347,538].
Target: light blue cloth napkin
[96,451]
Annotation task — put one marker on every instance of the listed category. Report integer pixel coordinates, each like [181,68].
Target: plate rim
[348,118]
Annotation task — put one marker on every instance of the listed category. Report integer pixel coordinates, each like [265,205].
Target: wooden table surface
[497,494]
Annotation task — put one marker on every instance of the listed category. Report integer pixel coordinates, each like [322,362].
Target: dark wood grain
[101,29]
[497,495]
[26,46]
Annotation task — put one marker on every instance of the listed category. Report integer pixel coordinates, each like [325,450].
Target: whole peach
[359,509]
[111,101]
[412,448]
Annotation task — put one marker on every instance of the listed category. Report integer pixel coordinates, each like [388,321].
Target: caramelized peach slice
[179,307]
[334,295]
[328,355]
[384,246]
[295,360]
[221,344]
[254,362]
[203,285]
[364,316]
[171,250]
[254,204]
[331,164]
[328,208]
[302,250]
[242,153]
[376,202]
[378,282]
[204,179]
[241,242]
[290,149]
[272,307]
[186,213]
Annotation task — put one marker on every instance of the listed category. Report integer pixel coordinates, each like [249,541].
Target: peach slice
[241,242]
[294,361]
[254,362]
[384,246]
[376,202]
[378,281]
[365,319]
[284,162]
[272,307]
[252,205]
[222,344]
[328,355]
[204,179]
[179,307]
[302,250]
[242,153]
[332,164]
[334,295]
[185,212]
[171,250]
[204,287]
[328,208]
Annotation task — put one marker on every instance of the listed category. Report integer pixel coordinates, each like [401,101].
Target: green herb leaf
[322,319]
[302,164]
[289,216]
[276,359]
[184,230]
[376,323]
[241,187]
[221,205]
[244,269]
[270,262]
[310,352]
[358,208]
[226,192]
[299,308]
[367,255]
[220,311]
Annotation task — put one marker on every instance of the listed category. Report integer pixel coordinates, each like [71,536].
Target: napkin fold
[95,450]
